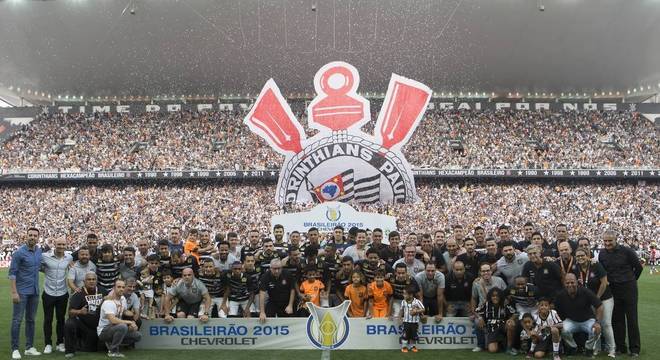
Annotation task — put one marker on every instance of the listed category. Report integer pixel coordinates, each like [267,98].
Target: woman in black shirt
[592,275]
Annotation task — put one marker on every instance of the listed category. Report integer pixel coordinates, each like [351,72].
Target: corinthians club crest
[341,162]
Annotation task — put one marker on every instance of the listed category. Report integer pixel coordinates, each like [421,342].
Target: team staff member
[432,284]
[623,269]
[55,296]
[281,292]
[592,276]
[190,292]
[458,290]
[92,247]
[83,317]
[544,274]
[111,328]
[24,279]
[76,276]
[575,306]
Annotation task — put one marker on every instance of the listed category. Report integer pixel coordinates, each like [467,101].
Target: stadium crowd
[184,140]
[127,212]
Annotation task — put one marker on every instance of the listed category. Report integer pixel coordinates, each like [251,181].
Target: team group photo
[339,179]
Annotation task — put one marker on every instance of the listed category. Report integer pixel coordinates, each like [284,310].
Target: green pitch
[649,308]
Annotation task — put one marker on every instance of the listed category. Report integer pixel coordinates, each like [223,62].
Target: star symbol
[218,173]
[272,173]
[166,174]
[519,172]
[652,173]
[192,173]
[139,174]
[572,172]
[598,173]
[625,173]
[546,173]
[246,173]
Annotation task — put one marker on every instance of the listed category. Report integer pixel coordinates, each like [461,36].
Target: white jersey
[543,325]
[407,307]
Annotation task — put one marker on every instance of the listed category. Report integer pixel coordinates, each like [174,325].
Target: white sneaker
[48,349]
[33,352]
[15,355]
[612,354]
[476,349]
[60,348]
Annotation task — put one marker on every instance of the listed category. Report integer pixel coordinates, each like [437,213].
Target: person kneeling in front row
[112,329]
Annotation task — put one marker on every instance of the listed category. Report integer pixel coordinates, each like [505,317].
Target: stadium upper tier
[444,139]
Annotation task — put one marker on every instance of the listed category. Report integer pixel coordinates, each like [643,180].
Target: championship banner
[328,187]
[299,105]
[336,332]
[330,214]
[341,162]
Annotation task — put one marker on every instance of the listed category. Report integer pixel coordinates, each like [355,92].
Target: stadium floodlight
[509,94]
[617,93]
[562,94]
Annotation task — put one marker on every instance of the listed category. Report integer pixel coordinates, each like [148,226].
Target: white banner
[300,334]
[330,214]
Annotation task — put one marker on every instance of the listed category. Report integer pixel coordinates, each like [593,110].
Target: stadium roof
[154,47]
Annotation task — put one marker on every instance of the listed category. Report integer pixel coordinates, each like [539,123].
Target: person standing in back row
[623,269]
[24,278]
[55,296]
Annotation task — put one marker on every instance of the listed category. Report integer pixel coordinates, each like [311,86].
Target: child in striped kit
[412,311]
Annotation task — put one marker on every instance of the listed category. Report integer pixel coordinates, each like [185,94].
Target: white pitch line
[325,355]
